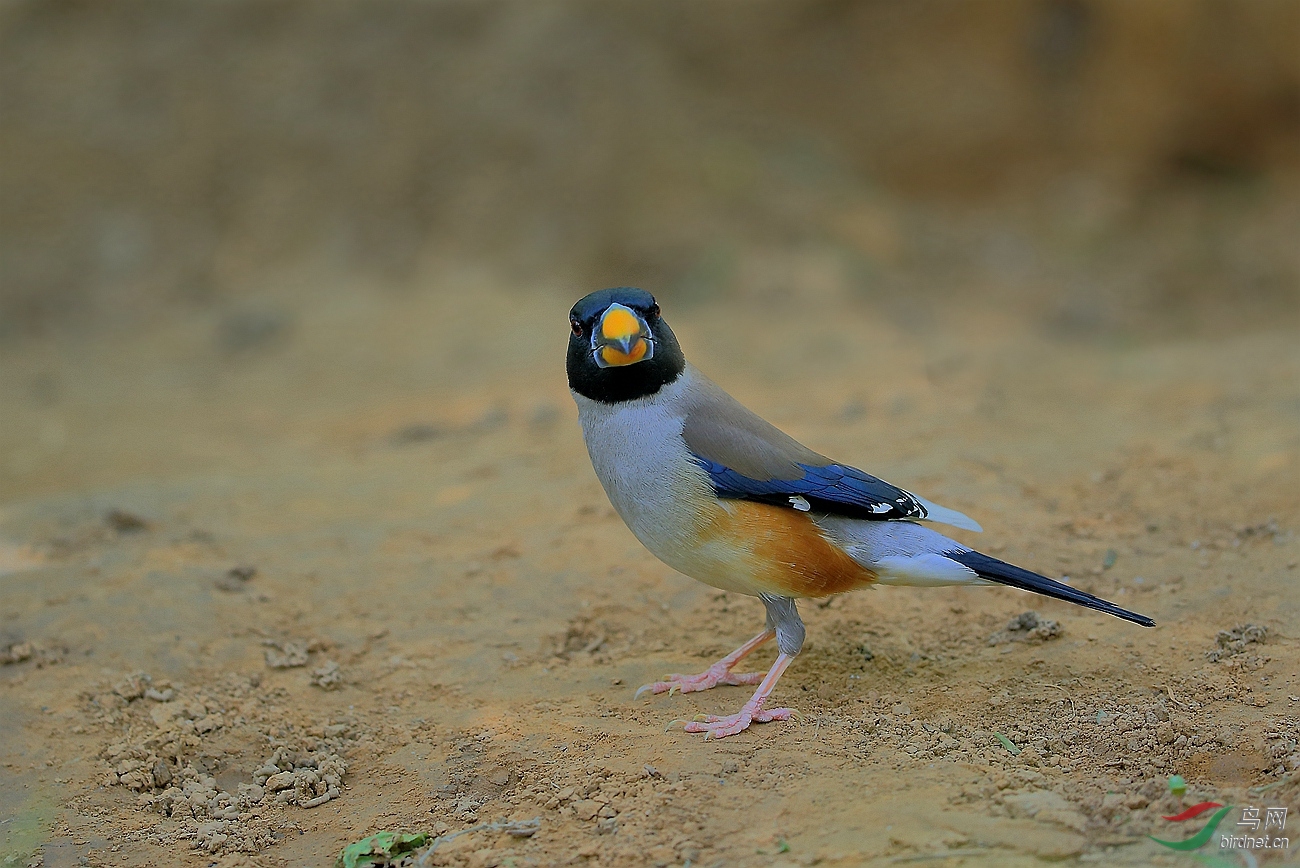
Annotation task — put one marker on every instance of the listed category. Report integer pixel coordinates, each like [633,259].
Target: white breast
[654,484]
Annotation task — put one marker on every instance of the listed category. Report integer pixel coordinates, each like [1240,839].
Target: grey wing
[749,458]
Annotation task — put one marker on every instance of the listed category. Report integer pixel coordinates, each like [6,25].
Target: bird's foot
[751,712]
[714,726]
[716,674]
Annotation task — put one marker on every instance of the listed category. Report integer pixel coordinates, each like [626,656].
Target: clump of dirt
[1283,746]
[22,652]
[124,521]
[305,777]
[1027,627]
[1235,641]
[327,676]
[235,579]
[16,653]
[186,754]
[290,654]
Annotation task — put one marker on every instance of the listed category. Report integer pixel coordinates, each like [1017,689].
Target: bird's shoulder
[719,428]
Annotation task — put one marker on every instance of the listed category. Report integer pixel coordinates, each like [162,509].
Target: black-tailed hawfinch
[719,494]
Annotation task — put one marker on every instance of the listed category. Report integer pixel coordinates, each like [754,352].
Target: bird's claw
[721,726]
[711,677]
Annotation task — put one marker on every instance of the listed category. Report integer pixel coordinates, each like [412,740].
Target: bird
[724,497]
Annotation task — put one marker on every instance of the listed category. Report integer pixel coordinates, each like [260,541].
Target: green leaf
[379,849]
[1201,838]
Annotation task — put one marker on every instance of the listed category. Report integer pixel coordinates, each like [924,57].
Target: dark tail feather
[1007,574]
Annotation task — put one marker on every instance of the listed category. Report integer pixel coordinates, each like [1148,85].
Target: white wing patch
[800,503]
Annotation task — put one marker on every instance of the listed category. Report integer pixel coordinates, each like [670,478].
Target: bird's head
[620,348]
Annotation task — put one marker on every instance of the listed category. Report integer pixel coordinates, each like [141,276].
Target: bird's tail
[1008,574]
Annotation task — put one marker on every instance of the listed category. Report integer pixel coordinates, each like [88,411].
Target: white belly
[654,484]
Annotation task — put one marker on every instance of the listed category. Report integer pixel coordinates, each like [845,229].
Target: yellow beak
[622,338]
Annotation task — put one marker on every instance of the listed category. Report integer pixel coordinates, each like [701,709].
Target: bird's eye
[576,326]
[654,310]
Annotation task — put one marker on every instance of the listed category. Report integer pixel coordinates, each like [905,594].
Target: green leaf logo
[1201,838]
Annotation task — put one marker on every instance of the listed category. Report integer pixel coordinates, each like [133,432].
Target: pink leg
[750,712]
[718,673]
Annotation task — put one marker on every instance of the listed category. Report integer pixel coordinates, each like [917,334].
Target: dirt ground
[272,582]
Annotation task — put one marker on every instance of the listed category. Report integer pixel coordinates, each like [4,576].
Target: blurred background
[1107,167]
[234,233]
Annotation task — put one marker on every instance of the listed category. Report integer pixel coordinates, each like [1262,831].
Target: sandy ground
[275,581]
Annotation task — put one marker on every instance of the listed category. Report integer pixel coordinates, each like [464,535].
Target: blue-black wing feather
[833,488]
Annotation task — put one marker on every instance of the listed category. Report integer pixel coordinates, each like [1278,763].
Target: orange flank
[785,550]
[616,357]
